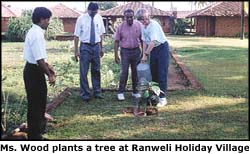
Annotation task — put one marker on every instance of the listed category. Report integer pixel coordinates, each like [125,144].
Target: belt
[90,44]
[160,45]
[31,64]
[130,48]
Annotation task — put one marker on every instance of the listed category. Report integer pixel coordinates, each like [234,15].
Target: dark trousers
[159,62]
[36,90]
[129,57]
[89,54]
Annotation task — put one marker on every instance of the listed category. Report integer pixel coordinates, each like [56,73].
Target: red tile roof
[220,9]
[62,11]
[118,11]
[9,12]
[183,14]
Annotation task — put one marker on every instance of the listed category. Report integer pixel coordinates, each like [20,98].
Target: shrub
[17,28]
[238,35]
[180,26]
[13,110]
[55,27]
[246,35]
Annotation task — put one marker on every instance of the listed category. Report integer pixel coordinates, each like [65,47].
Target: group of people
[138,40]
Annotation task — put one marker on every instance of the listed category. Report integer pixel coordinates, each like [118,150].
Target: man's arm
[101,52]
[141,41]
[76,37]
[150,47]
[116,47]
[76,41]
[102,36]
[146,50]
[144,47]
[48,70]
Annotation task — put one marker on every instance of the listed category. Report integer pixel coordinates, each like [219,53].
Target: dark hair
[40,13]
[93,6]
[128,11]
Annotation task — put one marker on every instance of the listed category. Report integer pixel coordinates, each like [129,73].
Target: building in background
[67,15]
[220,19]
[7,13]
[114,14]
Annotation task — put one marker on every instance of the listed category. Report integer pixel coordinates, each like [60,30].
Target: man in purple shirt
[128,38]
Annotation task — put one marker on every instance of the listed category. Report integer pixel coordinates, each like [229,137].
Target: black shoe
[99,96]
[43,126]
[37,137]
[44,131]
[85,100]
[45,139]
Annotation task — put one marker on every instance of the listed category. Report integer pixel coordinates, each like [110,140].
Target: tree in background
[18,27]
[180,26]
[201,4]
[106,5]
[27,13]
[55,28]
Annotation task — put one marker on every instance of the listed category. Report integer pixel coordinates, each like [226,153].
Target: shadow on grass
[104,120]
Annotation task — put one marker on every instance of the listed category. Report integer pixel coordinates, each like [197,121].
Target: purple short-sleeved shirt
[129,36]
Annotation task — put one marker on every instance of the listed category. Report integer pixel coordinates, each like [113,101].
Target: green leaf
[152,83]
[4,78]
[73,58]
[146,94]
[156,90]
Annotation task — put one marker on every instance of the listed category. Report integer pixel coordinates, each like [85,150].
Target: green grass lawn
[219,64]
[220,111]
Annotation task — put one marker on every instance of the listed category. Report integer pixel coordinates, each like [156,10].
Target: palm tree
[196,4]
[191,4]
[85,6]
[201,3]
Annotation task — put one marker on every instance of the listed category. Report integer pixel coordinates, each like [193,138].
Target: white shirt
[34,45]
[152,32]
[83,26]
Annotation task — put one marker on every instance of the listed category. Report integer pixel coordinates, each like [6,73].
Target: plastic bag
[144,74]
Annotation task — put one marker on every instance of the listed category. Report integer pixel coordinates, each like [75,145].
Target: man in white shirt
[88,30]
[34,73]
